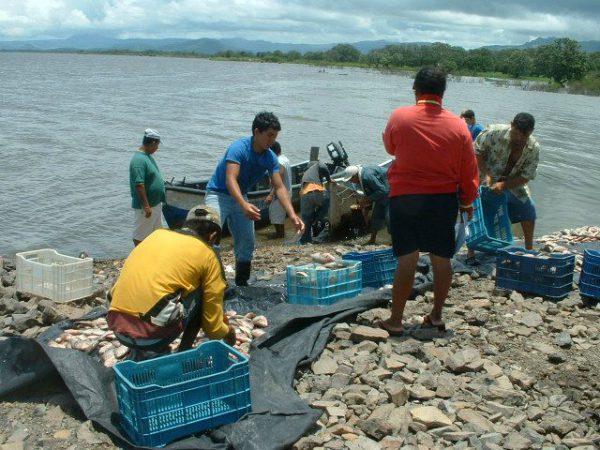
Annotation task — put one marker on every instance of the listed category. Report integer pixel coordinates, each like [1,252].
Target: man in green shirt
[147,187]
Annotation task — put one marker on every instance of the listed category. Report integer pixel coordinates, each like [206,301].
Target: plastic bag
[461,231]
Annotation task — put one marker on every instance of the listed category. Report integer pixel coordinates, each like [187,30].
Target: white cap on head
[151,134]
[204,212]
[350,172]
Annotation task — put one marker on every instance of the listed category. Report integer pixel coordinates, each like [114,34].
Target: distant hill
[209,46]
[586,46]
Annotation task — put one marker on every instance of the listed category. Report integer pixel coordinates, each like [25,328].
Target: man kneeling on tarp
[171,282]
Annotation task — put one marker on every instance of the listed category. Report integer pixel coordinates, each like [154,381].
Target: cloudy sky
[469,24]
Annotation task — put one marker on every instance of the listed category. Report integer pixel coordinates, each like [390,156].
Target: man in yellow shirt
[172,282]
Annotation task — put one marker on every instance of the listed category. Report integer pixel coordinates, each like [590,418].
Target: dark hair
[430,80]
[203,228]
[265,120]
[276,147]
[469,114]
[524,122]
[149,140]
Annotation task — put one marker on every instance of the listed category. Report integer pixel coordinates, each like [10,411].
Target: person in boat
[433,176]
[374,183]
[314,199]
[147,187]
[277,214]
[508,157]
[474,127]
[172,282]
[246,162]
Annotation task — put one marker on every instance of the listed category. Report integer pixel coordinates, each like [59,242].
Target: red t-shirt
[433,149]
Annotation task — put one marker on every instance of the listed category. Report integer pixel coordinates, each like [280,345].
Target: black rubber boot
[242,273]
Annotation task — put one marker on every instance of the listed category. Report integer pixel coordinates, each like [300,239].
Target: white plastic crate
[58,277]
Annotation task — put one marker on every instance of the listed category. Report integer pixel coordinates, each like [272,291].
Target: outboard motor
[338,154]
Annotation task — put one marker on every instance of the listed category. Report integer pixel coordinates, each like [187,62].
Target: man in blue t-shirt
[245,163]
[474,127]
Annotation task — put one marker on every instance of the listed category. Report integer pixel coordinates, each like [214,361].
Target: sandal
[391,331]
[427,323]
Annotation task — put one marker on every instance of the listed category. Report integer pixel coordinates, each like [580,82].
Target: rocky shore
[514,371]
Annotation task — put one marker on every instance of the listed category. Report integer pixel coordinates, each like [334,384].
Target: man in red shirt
[433,176]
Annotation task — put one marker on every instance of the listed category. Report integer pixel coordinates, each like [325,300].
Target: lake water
[70,123]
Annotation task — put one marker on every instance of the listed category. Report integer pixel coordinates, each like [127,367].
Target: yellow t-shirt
[167,262]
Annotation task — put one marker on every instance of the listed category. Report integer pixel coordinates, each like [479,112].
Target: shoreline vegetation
[560,66]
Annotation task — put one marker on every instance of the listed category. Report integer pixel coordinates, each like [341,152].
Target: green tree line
[562,61]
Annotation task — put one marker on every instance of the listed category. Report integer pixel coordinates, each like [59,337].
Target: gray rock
[325,365]
[419,392]
[409,346]
[30,319]
[430,416]
[476,422]
[557,425]
[557,358]
[543,348]
[8,278]
[364,333]
[363,443]
[516,297]
[376,428]
[563,340]
[397,392]
[515,441]
[339,380]
[532,320]
[465,360]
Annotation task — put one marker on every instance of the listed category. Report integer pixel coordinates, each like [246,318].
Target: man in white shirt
[277,214]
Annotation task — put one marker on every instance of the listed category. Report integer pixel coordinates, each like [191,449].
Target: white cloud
[307,21]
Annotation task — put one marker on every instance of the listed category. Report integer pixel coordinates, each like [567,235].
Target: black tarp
[296,336]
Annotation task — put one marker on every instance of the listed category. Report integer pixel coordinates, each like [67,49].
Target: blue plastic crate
[313,284]
[378,267]
[589,281]
[529,271]
[490,228]
[172,396]
[591,262]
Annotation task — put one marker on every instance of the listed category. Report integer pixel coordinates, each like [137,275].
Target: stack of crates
[176,395]
[314,284]
[58,277]
[549,276]
[378,267]
[589,282]
[490,228]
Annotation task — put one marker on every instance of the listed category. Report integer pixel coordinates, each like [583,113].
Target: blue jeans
[240,227]
[313,207]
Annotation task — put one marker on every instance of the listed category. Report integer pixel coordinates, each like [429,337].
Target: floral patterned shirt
[493,144]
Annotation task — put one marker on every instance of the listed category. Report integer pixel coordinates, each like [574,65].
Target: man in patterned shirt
[508,157]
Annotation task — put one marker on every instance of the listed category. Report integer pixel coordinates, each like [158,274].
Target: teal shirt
[144,170]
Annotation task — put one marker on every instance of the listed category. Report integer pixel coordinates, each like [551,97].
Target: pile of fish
[557,242]
[94,337]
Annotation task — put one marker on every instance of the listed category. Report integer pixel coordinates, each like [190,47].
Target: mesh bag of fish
[548,275]
[324,283]
[172,396]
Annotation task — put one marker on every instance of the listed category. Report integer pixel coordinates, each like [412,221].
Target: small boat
[182,195]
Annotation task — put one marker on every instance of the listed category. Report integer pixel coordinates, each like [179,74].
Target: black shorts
[423,222]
